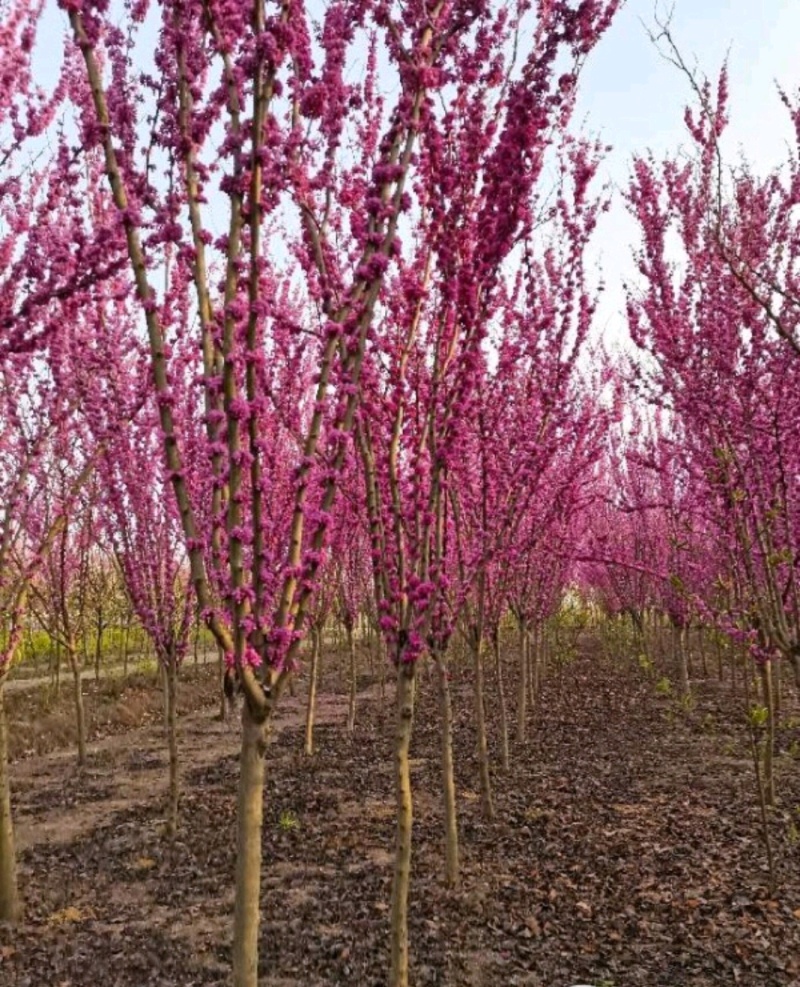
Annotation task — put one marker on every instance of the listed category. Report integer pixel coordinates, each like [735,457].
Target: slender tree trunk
[223,702]
[370,643]
[248,850]
[746,679]
[777,682]
[80,715]
[769,741]
[98,650]
[522,692]
[164,675]
[480,724]
[501,701]
[448,774]
[762,804]
[351,706]
[541,660]
[10,905]
[126,638]
[57,683]
[312,691]
[341,645]
[402,866]
[534,665]
[679,637]
[382,662]
[171,669]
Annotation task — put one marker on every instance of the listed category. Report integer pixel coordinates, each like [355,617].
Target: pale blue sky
[635,100]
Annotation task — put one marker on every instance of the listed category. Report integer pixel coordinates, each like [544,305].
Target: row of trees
[702,513]
[337,333]
[292,338]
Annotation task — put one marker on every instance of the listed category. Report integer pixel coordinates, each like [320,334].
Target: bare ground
[626,851]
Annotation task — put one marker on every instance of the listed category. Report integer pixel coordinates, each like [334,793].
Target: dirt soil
[626,851]
[42,720]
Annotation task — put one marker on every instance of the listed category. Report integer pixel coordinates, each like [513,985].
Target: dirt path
[54,802]
[625,851]
[21,682]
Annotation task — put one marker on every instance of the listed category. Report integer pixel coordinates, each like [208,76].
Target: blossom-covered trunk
[10,906]
[402,865]
[448,774]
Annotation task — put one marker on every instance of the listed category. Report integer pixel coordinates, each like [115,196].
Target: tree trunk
[351,707]
[402,866]
[98,647]
[480,725]
[250,807]
[382,662]
[10,905]
[534,664]
[56,683]
[98,650]
[522,693]
[164,675]
[501,700]
[80,716]
[540,662]
[370,644]
[341,644]
[223,702]
[172,742]
[768,698]
[448,775]
[312,691]
[126,647]
[701,643]
[777,690]
[679,637]
[746,679]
